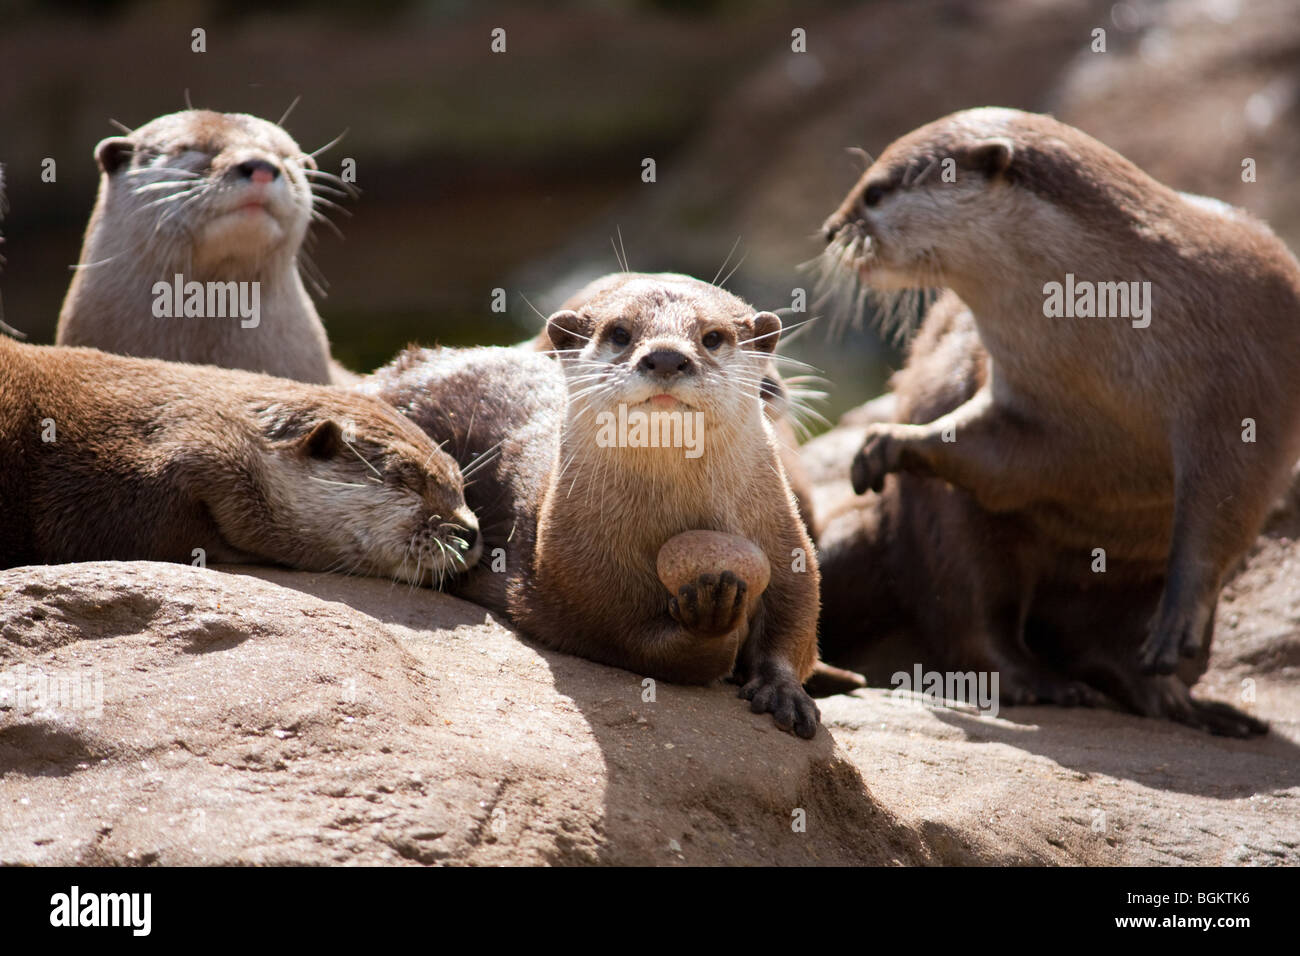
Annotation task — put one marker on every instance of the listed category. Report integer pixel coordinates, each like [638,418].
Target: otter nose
[258,170]
[830,227]
[664,363]
[469,536]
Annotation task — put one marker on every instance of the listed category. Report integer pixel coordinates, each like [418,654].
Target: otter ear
[323,441]
[767,330]
[568,330]
[993,156]
[113,153]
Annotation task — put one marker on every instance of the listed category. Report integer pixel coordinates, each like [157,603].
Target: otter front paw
[787,702]
[1171,634]
[880,454]
[711,606]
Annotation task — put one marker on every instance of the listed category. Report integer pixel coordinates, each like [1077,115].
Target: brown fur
[776,399]
[581,525]
[153,459]
[1080,433]
[167,204]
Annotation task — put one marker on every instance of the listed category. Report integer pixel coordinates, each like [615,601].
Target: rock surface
[260,716]
[288,718]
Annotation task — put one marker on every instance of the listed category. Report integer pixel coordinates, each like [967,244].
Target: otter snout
[666,363]
[853,211]
[258,170]
[469,538]
[463,538]
[855,219]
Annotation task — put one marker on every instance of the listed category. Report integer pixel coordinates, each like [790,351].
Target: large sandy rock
[1051,785]
[270,716]
[297,718]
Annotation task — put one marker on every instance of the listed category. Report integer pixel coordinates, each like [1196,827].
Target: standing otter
[113,458]
[1147,433]
[220,199]
[581,514]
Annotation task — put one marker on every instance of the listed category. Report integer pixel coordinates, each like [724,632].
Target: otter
[115,458]
[782,403]
[1075,436]
[573,518]
[223,200]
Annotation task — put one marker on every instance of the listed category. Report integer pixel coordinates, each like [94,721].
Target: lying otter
[579,515]
[114,458]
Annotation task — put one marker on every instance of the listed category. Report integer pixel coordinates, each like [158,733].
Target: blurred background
[481,170]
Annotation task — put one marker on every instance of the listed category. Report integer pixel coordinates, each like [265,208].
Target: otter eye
[873,196]
[620,336]
[712,340]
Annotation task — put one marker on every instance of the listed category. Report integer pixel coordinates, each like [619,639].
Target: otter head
[664,343]
[942,203]
[214,192]
[388,501]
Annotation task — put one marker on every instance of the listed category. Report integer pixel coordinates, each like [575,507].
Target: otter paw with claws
[712,605]
[1170,697]
[787,702]
[879,455]
[1170,636]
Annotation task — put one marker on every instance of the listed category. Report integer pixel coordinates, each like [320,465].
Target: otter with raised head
[114,458]
[224,201]
[574,507]
[1132,399]
[779,401]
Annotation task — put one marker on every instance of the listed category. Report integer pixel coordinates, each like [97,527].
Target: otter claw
[711,606]
[790,706]
[875,459]
[1166,642]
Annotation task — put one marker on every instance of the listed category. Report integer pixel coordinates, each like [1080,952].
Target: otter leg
[695,641]
[1208,534]
[770,682]
[1182,621]
[1167,696]
[1027,680]
[1004,461]
[780,648]
[707,616]
[993,642]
